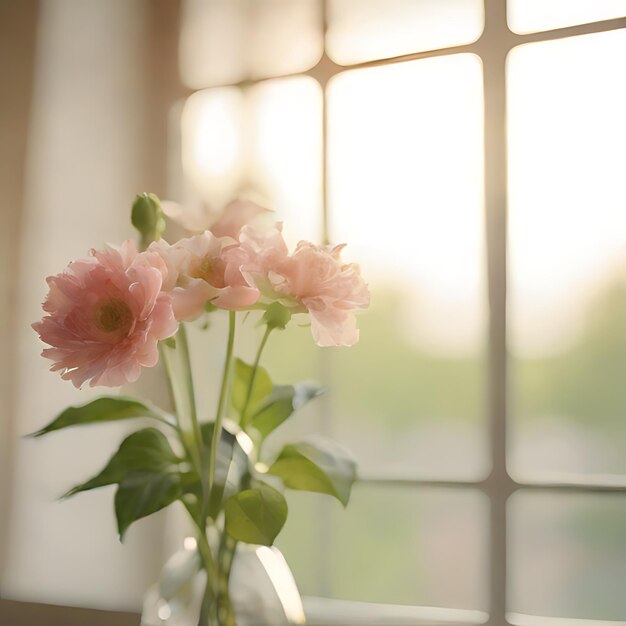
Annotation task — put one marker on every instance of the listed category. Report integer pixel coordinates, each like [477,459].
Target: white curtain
[84,165]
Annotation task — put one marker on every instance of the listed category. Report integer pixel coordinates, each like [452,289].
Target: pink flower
[313,279]
[235,216]
[261,252]
[204,269]
[106,314]
[201,217]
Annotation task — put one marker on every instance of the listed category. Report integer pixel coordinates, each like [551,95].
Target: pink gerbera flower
[106,314]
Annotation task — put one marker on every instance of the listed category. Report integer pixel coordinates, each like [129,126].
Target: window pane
[567,136]
[265,141]
[406,193]
[567,556]
[286,152]
[396,545]
[225,41]
[362,30]
[530,16]
[213,144]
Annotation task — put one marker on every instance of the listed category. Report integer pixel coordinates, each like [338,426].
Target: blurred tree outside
[386,385]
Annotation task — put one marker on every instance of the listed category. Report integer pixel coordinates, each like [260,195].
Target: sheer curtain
[90,148]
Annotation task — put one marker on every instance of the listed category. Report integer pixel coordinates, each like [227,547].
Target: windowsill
[324,611]
[319,611]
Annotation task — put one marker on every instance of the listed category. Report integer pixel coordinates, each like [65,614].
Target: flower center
[113,315]
[205,269]
[211,270]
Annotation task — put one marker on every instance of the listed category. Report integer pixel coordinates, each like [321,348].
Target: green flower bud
[147,217]
[276,316]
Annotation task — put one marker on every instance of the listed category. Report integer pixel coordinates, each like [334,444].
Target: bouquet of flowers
[118,310]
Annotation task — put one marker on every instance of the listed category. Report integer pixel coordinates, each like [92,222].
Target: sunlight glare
[530,16]
[285,122]
[567,211]
[406,190]
[284,584]
[362,30]
[212,142]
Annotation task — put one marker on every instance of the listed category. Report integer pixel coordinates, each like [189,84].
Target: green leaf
[147,217]
[142,493]
[231,465]
[147,450]
[261,389]
[105,409]
[256,515]
[280,404]
[316,464]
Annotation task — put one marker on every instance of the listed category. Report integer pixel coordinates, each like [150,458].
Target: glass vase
[260,591]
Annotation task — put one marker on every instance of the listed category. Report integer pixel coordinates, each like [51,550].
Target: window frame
[492,47]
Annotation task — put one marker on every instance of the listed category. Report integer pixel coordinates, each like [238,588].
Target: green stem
[209,595]
[184,402]
[179,398]
[175,425]
[184,347]
[226,554]
[255,368]
[193,414]
[207,608]
[217,427]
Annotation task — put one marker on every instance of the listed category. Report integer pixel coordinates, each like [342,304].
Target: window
[493,483]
